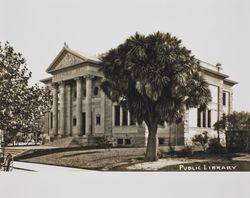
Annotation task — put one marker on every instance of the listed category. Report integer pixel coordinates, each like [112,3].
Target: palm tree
[156,79]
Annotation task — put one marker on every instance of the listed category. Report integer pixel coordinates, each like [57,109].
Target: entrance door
[84,122]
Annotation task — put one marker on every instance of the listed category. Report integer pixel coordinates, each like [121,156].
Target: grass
[119,158]
[96,159]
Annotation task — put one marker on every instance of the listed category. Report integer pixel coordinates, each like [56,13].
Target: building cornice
[221,75]
[230,82]
[46,80]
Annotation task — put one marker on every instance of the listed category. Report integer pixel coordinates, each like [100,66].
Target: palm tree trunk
[152,146]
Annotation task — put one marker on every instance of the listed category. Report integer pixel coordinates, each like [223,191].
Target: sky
[215,30]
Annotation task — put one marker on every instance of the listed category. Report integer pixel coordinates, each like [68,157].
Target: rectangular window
[209,118]
[124,117]
[74,121]
[204,119]
[98,119]
[224,98]
[117,115]
[127,141]
[51,120]
[119,141]
[161,141]
[198,117]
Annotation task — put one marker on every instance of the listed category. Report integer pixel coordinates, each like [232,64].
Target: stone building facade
[81,110]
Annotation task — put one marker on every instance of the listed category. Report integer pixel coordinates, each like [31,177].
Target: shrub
[187,151]
[215,147]
[105,142]
[160,153]
[201,140]
[171,150]
[237,141]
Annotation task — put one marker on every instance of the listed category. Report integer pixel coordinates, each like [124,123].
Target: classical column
[88,104]
[68,110]
[55,109]
[79,106]
[129,119]
[62,131]
[121,116]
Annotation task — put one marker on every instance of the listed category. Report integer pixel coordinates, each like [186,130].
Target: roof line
[231,81]
[214,72]
[45,79]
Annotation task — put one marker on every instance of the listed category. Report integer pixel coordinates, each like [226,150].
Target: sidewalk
[26,166]
[245,157]
[153,166]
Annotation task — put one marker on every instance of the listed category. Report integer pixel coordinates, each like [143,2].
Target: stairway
[66,142]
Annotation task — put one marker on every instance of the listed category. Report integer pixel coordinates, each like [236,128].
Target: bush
[201,140]
[237,141]
[105,142]
[160,153]
[171,150]
[187,151]
[215,147]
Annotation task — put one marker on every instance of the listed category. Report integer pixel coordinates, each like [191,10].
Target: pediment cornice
[67,58]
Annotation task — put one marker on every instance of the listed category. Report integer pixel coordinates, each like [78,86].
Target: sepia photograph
[124,86]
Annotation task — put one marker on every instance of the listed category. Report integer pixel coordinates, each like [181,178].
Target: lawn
[97,159]
[131,159]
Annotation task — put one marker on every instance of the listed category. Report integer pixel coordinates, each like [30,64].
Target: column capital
[54,84]
[89,76]
[61,83]
[78,78]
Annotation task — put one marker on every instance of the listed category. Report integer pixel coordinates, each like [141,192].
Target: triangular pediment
[67,58]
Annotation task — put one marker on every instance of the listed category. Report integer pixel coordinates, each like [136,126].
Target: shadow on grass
[40,152]
[82,153]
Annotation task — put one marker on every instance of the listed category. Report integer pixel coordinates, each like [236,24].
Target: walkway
[152,166]
[26,166]
[245,157]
